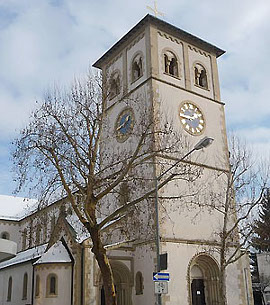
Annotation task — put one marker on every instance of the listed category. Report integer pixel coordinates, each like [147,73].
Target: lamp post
[203,143]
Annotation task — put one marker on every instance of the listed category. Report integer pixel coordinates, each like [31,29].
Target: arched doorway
[203,279]
[122,282]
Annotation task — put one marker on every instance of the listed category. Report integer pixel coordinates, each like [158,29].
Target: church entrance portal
[197,290]
[204,277]
[122,282]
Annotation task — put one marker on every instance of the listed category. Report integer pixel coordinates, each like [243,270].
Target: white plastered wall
[179,258]
[17,273]
[12,228]
[63,273]
[144,262]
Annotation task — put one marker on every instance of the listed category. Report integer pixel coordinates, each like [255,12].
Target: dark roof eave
[151,19]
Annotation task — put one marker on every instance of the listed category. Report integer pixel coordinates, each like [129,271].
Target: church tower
[160,72]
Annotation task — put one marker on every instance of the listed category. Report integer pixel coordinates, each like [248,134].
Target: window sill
[173,76]
[51,296]
[110,98]
[203,88]
[135,80]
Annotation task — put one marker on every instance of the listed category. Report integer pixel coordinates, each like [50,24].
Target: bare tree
[62,149]
[240,191]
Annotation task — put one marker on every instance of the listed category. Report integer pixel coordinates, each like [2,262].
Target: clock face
[191,118]
[124,124]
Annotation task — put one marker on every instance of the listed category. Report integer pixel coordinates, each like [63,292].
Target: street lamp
[203,143]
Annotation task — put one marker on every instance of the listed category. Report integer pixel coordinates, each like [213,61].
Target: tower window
[139,283]
[200,76]
[171,64]
[52,285]
[5,235]
[25,283]
[114,85]
[137,71]
[9,293]
[52,223]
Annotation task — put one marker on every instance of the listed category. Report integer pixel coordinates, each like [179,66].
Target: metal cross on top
[155,10]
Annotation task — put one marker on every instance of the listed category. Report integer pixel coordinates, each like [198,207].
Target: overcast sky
[45,42]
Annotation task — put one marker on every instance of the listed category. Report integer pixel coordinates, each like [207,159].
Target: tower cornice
[162,25]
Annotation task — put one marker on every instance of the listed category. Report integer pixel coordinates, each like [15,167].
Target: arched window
[37,287]
[123,193]
[137,70]
[25,283]
[114,85]
[24,236]
[38,232]
[5,235]
[170,64]
[30,234]
[52,222]
[139,283]
[200,76]
[52,285]
[9,292]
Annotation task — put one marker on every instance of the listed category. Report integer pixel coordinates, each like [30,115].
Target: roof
[24,256]
[77,229]
[56,254]
[149,19]
[15,208]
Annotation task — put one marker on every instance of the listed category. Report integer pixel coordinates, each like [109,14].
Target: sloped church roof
[149,19]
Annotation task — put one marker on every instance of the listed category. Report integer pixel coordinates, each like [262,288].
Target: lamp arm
[175,164]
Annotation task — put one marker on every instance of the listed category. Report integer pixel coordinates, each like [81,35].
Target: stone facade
[150,74]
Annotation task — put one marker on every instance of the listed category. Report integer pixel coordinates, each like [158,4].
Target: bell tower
[176,77]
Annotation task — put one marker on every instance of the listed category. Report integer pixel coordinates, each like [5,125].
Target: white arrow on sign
[160,276]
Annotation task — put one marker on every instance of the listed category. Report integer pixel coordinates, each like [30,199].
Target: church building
[161,72]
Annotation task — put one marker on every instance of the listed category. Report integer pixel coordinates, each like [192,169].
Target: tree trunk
[222,286]
[105,268]
[222,276]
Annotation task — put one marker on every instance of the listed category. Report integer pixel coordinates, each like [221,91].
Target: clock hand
[186,116]
[196,115]
[124,123]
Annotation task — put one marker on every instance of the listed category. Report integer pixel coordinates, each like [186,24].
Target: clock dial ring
[191,118]
[124,124]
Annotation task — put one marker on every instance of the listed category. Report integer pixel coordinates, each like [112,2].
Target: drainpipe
[72,282]
[82,274]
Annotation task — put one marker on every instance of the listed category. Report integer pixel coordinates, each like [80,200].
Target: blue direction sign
[160,276]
